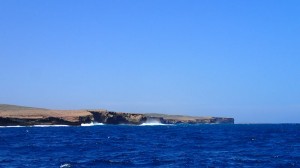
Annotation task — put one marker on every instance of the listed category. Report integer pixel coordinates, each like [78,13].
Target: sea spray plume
[151,121]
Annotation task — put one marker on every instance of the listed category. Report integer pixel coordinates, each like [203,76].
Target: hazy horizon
[234,58]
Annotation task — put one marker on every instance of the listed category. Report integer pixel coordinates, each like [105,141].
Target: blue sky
[207,58]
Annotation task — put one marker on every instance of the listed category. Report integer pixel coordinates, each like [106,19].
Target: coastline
[11,115]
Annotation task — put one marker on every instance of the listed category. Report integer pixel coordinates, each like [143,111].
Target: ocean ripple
[160,146]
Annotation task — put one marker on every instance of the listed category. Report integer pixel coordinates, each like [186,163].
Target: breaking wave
[91,124]
[14,126]
[50,125]
[153,122]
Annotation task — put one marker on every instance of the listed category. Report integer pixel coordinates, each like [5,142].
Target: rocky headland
[11,115]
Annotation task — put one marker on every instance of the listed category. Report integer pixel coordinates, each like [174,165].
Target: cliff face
[32,116]
[192,120]
[67,117]
[7,121]
[44,117]
[212,120]
[108,117]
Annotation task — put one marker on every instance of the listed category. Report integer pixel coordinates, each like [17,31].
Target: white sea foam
[14,126]
[91,124]
[153,124]
[65,165]
[50,125]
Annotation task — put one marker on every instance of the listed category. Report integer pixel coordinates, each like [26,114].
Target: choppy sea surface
[239,145]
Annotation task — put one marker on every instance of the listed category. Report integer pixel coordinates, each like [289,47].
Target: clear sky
[232,58]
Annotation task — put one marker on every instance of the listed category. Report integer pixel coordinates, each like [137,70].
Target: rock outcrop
[24,116]
[178,119]
[109,117]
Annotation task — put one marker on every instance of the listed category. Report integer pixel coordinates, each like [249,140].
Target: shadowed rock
[109,117]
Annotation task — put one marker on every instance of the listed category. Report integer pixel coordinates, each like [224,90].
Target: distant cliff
[180,119]
[11,115]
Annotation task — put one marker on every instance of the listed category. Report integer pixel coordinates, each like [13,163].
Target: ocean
[207,145]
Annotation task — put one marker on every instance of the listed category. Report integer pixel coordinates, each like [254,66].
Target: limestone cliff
[109,117]
[18,115]
[179,119]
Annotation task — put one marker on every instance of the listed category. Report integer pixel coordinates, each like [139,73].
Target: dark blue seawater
[262,145]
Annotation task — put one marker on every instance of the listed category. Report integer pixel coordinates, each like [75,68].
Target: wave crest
[152,124]
[91,124]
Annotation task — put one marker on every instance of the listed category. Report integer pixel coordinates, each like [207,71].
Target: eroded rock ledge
[31,116]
